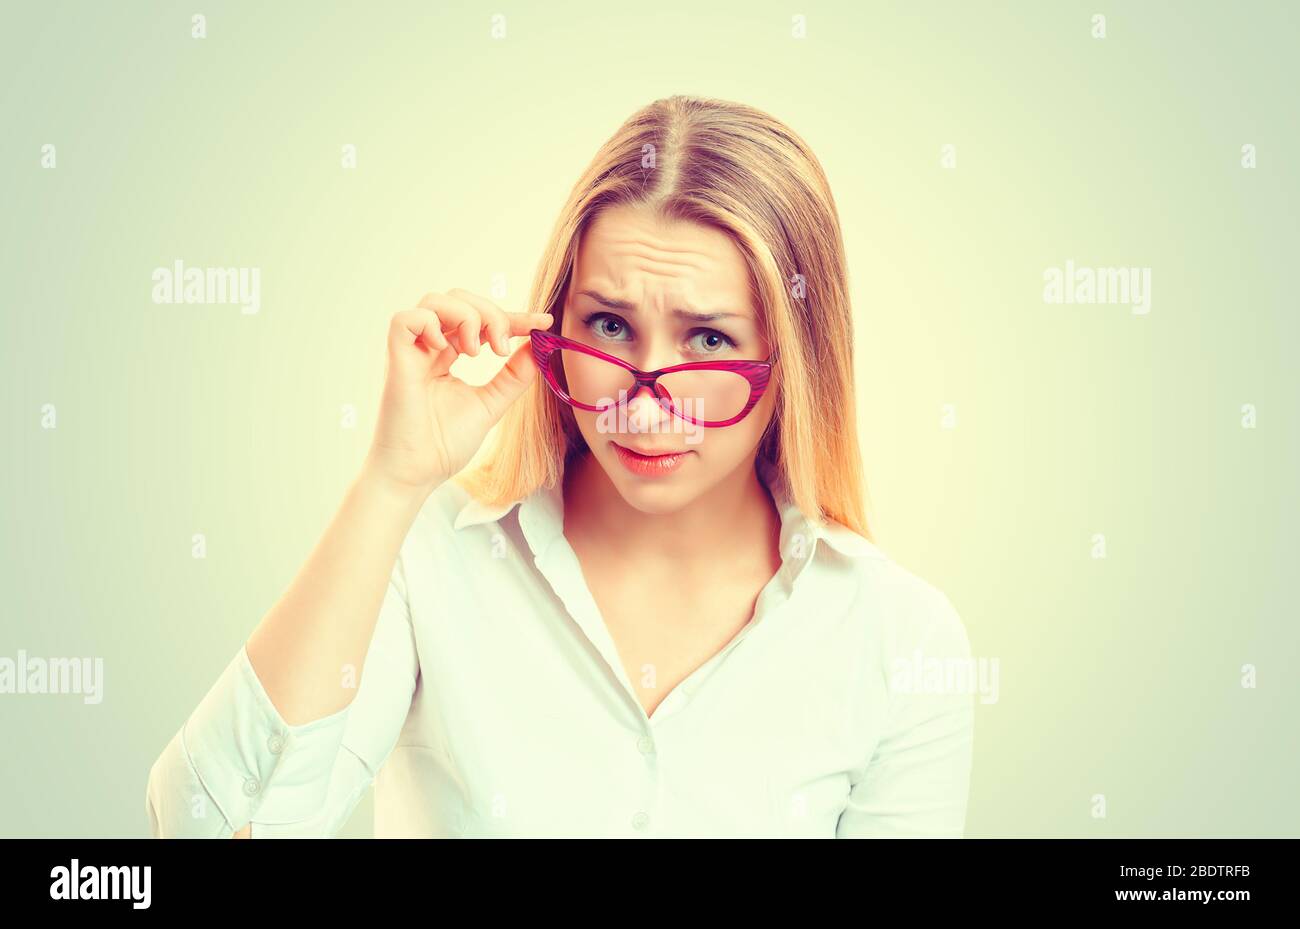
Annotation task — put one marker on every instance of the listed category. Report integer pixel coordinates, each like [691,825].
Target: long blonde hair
[738,169]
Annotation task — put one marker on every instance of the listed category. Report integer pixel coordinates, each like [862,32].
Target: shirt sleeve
[917,782]
[235,761]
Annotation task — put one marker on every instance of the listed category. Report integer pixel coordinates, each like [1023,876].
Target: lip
[649,465]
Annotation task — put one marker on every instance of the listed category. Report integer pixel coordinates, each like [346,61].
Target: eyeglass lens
[708,396]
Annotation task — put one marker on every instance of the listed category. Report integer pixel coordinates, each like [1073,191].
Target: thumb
[508,384]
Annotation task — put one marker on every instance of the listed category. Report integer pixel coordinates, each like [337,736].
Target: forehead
[632,253]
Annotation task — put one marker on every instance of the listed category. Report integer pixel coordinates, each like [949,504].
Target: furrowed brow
[628,306]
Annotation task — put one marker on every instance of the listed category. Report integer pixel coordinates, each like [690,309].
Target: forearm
[309,649]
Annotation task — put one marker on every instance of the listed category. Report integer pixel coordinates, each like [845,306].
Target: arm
[236,762]
[323,624]
[917,781]
[263,747]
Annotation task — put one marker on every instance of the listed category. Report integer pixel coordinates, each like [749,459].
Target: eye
[714,343]
[607,325]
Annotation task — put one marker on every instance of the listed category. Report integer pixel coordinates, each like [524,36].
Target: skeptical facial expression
[655,293]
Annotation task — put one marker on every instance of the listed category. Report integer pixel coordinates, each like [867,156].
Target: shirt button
[645,744]
[275,744]
[640,820]
[251,786]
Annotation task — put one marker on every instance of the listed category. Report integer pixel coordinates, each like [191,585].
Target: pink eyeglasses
[706,393]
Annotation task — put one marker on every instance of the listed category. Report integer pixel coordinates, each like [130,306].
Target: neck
[738,509]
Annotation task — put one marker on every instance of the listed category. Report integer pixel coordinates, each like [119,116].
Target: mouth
[646,464]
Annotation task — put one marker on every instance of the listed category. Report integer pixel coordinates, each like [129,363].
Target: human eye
[602,328]
[720,342]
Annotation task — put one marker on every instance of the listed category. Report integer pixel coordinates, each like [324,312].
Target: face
[657,293]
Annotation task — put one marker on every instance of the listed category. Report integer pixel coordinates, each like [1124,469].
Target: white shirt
[493,702]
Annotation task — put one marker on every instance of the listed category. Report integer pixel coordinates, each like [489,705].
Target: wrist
[403,493]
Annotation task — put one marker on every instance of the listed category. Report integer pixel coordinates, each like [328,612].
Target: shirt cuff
[249,760]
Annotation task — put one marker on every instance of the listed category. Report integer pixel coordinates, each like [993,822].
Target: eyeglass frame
[757,373]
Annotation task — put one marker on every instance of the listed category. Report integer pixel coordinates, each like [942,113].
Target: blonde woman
[652,607]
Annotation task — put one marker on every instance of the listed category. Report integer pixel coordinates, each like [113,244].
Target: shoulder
[441,507]
[908,611]
[433,528]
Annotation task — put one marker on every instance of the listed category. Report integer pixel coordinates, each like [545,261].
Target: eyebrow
[679,313]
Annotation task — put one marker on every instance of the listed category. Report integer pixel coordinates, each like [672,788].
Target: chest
[664,628]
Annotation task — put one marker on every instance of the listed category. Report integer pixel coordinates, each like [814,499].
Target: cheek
[588,380]
[726,445]
[586,425]
[753,425]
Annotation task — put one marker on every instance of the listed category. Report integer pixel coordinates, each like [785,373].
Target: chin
[656,503]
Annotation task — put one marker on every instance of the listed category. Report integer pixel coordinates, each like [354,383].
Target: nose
[644,412]
[655,353]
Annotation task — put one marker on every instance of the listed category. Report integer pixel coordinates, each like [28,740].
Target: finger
[415,341]
[496,327]
[508,384]
[524,323]
[468,333]
[426,326]
[453,314]
[418,325]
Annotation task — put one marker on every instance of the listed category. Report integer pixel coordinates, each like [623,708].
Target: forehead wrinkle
[662,254]
[617,258]
[683,243]
[684,309]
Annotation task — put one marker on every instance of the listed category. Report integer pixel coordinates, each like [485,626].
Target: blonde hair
[735,168]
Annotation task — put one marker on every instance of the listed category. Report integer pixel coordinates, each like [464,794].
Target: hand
[430,422]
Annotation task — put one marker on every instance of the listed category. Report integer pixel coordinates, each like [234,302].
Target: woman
[653,608]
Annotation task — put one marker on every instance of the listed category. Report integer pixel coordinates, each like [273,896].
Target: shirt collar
[541,518]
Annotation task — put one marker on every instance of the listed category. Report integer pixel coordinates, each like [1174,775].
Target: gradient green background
[1118,677]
